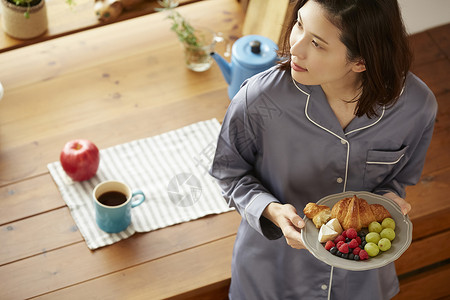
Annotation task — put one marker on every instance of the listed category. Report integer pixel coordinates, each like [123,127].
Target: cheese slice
[326,233]
[335,225]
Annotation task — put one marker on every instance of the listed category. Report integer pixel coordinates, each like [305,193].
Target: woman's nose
[298,47]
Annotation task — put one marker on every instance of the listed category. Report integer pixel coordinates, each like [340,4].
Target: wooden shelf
[64,19]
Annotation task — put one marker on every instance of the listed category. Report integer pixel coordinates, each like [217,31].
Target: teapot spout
[225,66]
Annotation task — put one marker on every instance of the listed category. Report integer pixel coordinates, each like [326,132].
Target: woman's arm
[233,166]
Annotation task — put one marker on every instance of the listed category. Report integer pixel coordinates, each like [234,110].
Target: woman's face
[318,57]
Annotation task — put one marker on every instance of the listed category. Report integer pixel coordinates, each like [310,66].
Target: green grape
[388,233]
[388,223]
[384,244]
[372,249]
[373,237]
[375,227]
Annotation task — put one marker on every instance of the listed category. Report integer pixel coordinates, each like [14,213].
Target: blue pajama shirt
[281,142]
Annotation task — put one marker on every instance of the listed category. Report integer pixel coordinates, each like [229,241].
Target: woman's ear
[359,66]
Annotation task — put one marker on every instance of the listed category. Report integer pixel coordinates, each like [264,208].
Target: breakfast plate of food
[356,230]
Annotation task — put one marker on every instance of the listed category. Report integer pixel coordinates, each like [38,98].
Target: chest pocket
[380,164]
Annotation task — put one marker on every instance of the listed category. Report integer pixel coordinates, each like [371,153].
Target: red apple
[80,159]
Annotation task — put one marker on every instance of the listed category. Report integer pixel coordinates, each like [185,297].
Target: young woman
[342,113]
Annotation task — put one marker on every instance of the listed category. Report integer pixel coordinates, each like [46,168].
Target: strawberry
[329,245]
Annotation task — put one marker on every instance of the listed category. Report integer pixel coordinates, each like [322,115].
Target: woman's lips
[297,68]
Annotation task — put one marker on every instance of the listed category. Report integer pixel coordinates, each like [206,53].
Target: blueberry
[364,244]
[333,250]
[347,240]
[356,257]
[338,253]
[351,256]
[344,255]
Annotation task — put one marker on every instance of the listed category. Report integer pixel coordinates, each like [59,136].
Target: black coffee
[112,198]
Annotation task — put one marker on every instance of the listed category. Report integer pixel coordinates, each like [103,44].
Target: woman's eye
[315,44]
[299,24]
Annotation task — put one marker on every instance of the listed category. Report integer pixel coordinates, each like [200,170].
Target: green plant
[29,3]
[184,31]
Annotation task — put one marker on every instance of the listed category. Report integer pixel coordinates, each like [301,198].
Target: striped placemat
[172,171]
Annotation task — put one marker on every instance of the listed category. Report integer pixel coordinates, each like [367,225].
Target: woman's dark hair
[372,31]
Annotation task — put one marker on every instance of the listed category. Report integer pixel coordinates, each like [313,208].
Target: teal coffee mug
[113,201]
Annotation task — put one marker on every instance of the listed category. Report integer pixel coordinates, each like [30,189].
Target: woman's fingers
[405,207]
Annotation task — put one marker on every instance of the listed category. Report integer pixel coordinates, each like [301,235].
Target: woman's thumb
[298,222]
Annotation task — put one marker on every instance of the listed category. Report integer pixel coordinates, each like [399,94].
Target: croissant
[354,212]
[380,212]
[319,214]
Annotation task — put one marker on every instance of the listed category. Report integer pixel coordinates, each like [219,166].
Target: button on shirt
[281,142]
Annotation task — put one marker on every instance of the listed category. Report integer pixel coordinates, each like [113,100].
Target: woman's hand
[286,218]
[404,206]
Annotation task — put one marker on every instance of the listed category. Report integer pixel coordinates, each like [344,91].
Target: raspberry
[351,233]
[329,245]
[356,250]
[363,255]
[343,248]
[339,238]
[339,244]
[358,239]
[344,234]
[353,244]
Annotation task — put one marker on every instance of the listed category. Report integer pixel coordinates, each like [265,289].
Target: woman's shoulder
[269,78]
[417,90]
[418,96]
[272,83]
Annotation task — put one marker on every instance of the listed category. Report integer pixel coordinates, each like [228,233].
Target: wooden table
[126,81]
[111,85]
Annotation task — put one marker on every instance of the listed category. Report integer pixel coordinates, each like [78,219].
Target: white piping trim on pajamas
[383,162]
[327,130]
[331,281]
[382,114]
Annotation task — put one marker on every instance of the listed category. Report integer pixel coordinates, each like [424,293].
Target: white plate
[403,235]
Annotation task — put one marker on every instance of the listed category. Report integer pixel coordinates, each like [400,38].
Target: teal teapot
[250,55]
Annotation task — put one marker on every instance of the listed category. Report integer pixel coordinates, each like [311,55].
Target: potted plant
[25,19]
[198,43]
